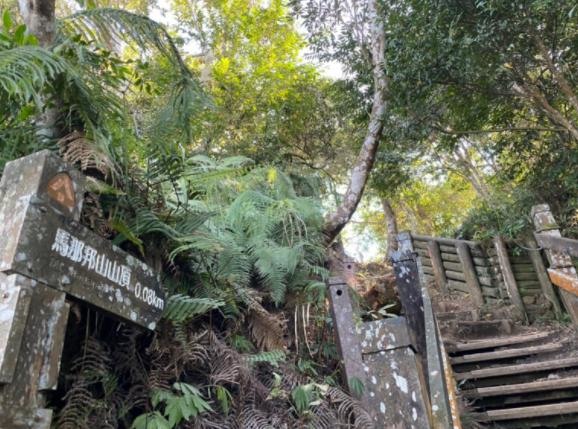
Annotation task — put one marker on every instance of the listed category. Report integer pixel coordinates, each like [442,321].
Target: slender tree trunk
[472,172]
[40,19]
[337,220]
[391,223]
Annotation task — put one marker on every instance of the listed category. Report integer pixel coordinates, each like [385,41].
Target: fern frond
[182,307]
[111,26]
[25,70]
[273,357]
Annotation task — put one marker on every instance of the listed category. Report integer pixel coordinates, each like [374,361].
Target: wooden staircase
[512,376]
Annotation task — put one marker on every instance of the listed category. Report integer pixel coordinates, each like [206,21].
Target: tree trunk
[471,171]
[39,17]
[391,223]
[337,220]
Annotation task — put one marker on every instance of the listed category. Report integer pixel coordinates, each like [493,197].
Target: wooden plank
[417,238]
[564,245]
[428,270]
[468,346]
[543,277]
[438,266]
[507,353]
[518,369]
[450,257]
[508,275]
[459,286]
[528,412]
[425,261]
[453,266]
[526,276]
[523,268]
[515,389]
[455,275]
[529,284]
[470,275]
[563,280]
[448,249]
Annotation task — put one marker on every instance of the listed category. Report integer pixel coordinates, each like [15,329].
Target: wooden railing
[489,273]
[559,251]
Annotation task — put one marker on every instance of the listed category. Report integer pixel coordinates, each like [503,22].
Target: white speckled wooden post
[45,256]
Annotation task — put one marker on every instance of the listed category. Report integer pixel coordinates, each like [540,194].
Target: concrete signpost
[46,259]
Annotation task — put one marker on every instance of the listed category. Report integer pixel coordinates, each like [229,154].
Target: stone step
[527,412]
[515,389]
[496,342]
[506,353]
[505,370]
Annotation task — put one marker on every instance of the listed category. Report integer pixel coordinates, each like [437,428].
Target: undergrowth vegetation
[239,244]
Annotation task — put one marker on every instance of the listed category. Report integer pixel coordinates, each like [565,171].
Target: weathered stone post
[545,283]
[418,309]
[45,257]
[508,275]
[470,274]
[348,343]
[33,315]
[435,255]
[544,223]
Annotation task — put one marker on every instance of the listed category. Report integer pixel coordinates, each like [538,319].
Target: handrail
[558,244]
[442,240]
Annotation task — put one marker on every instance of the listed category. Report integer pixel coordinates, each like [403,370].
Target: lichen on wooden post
[545,223]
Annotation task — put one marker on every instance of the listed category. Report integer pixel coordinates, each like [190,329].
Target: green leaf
[302,397]
[19,34]
[152,420]
[6,21]
[356,387]
[225,398]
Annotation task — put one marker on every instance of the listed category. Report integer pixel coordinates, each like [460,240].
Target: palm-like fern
[25,70]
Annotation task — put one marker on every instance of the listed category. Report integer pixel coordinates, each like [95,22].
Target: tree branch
[336,221]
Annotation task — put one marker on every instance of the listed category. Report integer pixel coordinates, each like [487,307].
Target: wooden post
[545,224]
[438,389]
[508,274]
[409,278]
[470,274]
[348,342]
[545,283]
[438,266]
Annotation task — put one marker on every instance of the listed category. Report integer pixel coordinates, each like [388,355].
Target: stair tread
[511,389]
[506,353]
[528,412]
[517,369]
[496,342]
